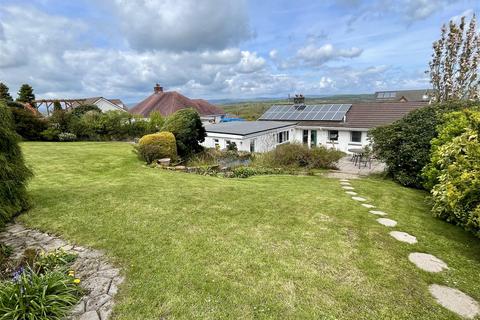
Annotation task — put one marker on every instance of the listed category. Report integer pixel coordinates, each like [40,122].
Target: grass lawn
[267,247]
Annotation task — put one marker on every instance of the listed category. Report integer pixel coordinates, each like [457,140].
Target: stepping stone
[369,206]
[359,199]
[387,222]
[378,213]
[351,193]
[404,237]
[345,183]
[348,188]
[455,301]
[427,262]
[344,180]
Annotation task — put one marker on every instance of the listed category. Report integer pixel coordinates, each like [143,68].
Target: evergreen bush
[14,174]
[156,146]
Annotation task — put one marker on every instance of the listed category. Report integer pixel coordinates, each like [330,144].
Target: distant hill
[254,108]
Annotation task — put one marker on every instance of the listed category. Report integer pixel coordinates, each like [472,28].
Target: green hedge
[14,174]
[156,146]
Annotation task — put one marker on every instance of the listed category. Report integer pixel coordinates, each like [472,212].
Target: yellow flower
[71,273]
[76,281]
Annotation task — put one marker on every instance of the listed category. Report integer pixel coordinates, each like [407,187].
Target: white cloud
[316,56]
[273,54]
[182,25]
[250,62]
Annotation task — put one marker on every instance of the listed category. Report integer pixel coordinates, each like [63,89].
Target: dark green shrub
[28,125]
[51,134]
[84,108]
[156,146]
[188,129]
[155,122]
[25,94]
[14,174]
[405,145]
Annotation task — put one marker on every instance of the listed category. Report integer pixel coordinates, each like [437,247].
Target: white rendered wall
[344,138]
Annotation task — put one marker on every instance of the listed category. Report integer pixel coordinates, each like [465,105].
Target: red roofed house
[171,101]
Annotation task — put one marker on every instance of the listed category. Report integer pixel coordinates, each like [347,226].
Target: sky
[220,49]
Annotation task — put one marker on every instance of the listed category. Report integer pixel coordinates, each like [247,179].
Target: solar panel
[321,112]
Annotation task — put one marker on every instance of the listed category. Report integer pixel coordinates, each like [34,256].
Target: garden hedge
[14,174]
[157,146]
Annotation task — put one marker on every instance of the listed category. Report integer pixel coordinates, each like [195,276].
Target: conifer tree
[25,94]
[4,94]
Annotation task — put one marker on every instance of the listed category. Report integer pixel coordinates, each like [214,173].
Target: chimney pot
[157,88]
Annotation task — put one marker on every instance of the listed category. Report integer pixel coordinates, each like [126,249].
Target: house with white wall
[340,126]
[250,136]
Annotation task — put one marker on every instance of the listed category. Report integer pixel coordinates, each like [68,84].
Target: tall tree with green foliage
[188,130]
[454,69]
[14,174]
[4,94]
[25,94]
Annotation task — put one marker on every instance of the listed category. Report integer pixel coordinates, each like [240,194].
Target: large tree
[25,94]
[454,69]
[4,94]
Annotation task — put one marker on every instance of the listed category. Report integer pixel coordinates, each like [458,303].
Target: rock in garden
[455,301]
[351,193]
[369,206]
[387,222]
[348,188]
[427,262]
[404,237]
[345,183]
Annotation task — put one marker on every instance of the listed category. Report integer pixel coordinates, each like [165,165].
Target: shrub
[405,145]
[299,155]
[51,134]
[156,122]
[38,296]
[188,130]
[243,172]
[67,136]
[28,125]
[84,108]
[157,146]
[456,195]
[14,174]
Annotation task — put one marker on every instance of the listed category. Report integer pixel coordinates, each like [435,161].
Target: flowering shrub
[42,287]
[67,136]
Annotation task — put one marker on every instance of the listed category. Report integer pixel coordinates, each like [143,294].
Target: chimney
[157,89]
[299,99]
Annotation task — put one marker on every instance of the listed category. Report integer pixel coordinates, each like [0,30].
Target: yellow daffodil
[76,281]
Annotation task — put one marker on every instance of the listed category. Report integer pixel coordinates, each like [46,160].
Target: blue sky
[219,49]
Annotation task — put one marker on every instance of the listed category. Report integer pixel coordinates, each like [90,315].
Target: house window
[282,136]
[333,135]
[305,136]
[217,144]
[252,145]
[313,138]
[356,136]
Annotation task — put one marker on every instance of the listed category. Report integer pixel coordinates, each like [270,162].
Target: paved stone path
[351,193]
[348,188]
[359,199]
[378,213]
[98,277]
[404,237]
[450,298]
[427,262]
[387,222]
[455,301]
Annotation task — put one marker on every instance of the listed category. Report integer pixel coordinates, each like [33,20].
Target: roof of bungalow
[244,128]
[404,95]
[358,115]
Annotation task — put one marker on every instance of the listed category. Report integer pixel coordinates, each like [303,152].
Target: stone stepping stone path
[99,278]
[404,237]
[351,193]
[348,188]
[378,213]
[427,262]
[387,222]
[368,206]
[455,301]
[359,199]
[344,180]
[345,183]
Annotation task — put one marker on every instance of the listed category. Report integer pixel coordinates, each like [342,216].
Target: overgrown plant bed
[43,277]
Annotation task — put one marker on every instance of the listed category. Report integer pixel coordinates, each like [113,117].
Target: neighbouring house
[168,102]
[340,126]
[424,95]
[252,136]
[102,103]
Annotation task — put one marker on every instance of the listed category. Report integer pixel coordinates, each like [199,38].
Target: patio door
[313,138]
